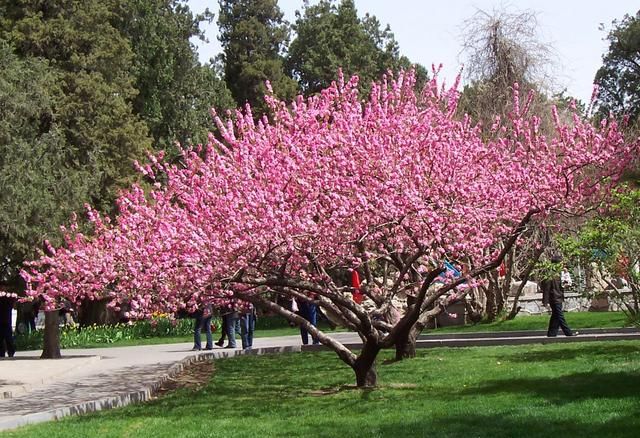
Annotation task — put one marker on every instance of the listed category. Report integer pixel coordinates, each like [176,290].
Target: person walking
[553,296]
[203,321]
[229,319]
[309,311]
[6,332]
[223,330]
[247,326]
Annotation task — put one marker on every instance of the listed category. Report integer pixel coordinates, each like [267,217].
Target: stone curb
[525,340]
[146,394]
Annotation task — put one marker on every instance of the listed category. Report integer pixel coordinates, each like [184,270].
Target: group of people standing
[242,321]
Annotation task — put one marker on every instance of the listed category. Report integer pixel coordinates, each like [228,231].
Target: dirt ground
[194,376]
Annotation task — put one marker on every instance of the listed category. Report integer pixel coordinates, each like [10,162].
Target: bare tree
[502,48]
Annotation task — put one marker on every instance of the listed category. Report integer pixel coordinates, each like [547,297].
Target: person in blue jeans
[247,326]
[309,311]
[229,320]
[203,321]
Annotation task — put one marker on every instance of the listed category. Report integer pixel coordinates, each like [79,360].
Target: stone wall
[574,302]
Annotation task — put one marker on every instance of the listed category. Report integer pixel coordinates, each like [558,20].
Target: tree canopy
[87,88]
[40,182]
[329,37]
[253,37]
[619,77]
[94,61]
[502,48]
[174,91]
[392,187]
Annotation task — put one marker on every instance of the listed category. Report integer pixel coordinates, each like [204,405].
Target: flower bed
[74,336]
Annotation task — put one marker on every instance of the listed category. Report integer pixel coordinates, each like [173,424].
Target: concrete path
[33,390]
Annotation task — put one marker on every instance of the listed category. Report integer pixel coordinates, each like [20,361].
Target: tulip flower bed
[156,330]
[568,390]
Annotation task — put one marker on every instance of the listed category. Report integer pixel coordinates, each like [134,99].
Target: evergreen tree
[40,183]
[94,62]
[330,37]
[253,36]
[175,91]
[619,76]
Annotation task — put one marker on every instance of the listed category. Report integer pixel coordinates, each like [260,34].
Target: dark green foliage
[330,37]
[619,76]
[253,36]
[175,92]
[93,62]
[83,82]
[68,131]
[40,177]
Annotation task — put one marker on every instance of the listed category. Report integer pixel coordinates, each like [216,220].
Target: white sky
[429,32]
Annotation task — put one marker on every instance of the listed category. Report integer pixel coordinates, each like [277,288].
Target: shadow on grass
[272,396]
[610,350]
[351,419]
[499,426]
[566,389]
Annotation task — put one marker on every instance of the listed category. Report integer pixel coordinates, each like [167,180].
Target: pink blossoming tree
[392,186]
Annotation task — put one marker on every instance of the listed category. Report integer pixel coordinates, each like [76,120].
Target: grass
[576,320]
[568,390]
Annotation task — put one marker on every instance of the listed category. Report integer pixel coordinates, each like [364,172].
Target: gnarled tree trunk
[364,366]
[491,309]
[406,344]
[51,348]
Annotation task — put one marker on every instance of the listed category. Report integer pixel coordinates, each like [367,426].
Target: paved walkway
[33,390]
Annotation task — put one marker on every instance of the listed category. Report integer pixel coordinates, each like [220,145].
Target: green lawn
[576,320]
[568,390]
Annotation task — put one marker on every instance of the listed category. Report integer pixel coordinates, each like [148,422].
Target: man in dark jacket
[553,295]
[6,332]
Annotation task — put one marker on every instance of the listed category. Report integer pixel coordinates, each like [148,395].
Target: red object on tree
[502,271]
[355,282]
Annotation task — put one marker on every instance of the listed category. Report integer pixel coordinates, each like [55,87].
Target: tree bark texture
[51,348]
[364,365]
[406,345]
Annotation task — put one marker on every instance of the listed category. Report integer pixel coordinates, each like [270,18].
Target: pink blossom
[330,181]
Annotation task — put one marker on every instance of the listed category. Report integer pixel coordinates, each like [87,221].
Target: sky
[430,32]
